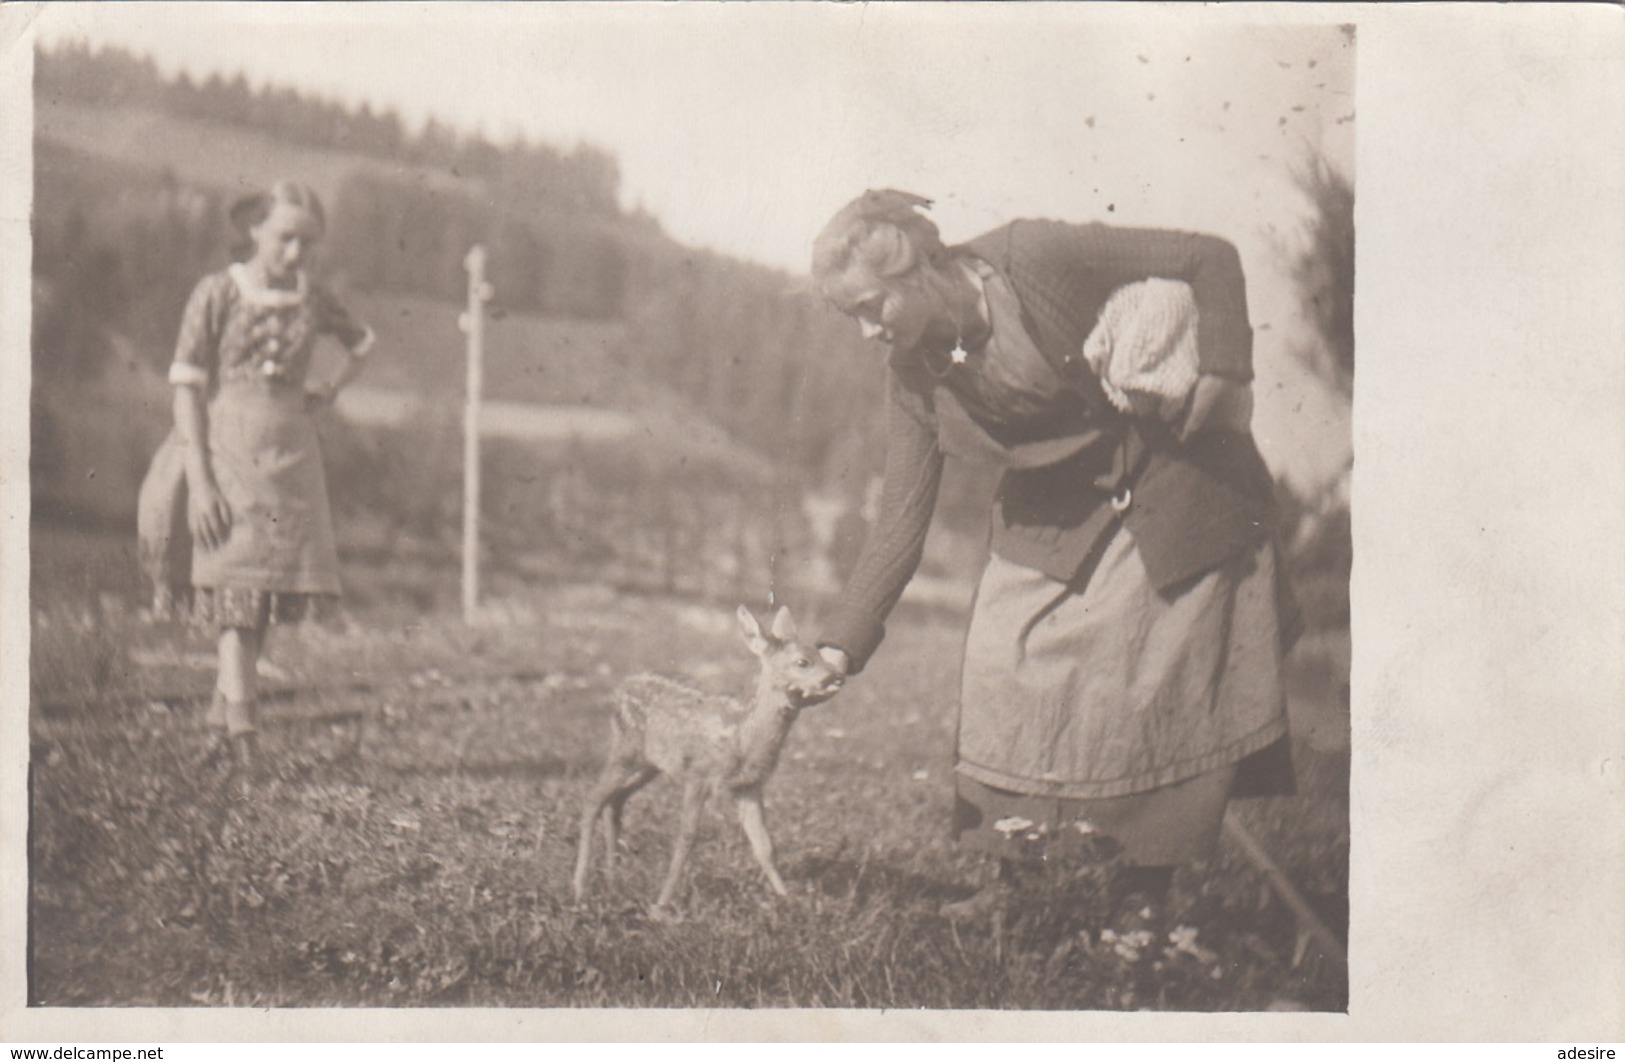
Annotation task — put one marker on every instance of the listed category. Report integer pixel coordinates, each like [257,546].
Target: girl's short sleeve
[197,350]
[334,320]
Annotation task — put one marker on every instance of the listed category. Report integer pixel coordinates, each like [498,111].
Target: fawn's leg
[754,820]
[589,822]
[634,781]
[694,794]
[603,791]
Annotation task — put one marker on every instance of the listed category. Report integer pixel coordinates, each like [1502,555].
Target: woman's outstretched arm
[892,551]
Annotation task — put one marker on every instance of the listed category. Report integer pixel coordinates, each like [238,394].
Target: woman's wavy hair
[254,208]
[884,229]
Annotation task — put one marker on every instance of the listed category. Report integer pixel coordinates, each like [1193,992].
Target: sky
[743,127]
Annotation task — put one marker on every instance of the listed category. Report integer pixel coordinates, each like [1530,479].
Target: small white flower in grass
[1183,939]
[1013,825]
[1127,945]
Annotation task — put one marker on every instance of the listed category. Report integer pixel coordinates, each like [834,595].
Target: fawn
[706,742]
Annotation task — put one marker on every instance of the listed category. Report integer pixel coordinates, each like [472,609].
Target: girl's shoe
[216,742]
[235,738]
[215,717]
[245,746]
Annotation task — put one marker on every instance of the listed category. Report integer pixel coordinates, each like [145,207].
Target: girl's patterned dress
[250,348]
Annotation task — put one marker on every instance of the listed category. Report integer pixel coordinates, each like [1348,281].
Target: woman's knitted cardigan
[1191,505]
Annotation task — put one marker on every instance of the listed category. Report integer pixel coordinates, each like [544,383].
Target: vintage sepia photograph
[709,507]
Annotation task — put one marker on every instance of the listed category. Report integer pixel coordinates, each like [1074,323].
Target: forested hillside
[121,232]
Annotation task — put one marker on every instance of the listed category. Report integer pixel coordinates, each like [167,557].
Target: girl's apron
[266,460]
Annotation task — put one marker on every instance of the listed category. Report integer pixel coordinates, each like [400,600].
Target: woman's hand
[209,516]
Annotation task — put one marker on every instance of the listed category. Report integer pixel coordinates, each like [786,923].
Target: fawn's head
[789,664]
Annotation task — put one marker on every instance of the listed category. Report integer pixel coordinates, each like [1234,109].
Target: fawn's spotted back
[675,728]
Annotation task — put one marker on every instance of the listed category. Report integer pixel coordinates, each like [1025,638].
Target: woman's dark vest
[1190,506]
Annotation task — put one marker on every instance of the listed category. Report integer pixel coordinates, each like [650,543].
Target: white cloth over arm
[1143,349]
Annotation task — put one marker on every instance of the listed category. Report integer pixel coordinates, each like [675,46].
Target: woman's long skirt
[1106,710]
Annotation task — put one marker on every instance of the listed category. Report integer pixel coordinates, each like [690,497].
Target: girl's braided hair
[885,229]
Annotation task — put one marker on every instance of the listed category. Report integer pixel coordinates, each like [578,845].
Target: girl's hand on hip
[210,516]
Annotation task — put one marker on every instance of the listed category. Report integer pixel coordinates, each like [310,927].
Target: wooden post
[473,324]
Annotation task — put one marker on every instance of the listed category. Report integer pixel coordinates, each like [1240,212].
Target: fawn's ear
[784,628]
[754,638]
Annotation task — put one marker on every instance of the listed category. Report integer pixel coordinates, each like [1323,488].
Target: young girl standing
[263,546]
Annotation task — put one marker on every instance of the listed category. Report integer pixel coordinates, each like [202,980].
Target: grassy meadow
[411,835]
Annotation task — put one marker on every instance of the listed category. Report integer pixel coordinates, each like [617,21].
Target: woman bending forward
[1122,670]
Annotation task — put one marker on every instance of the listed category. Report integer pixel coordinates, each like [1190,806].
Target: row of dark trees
[390,234]
[527,175]
[117,249]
